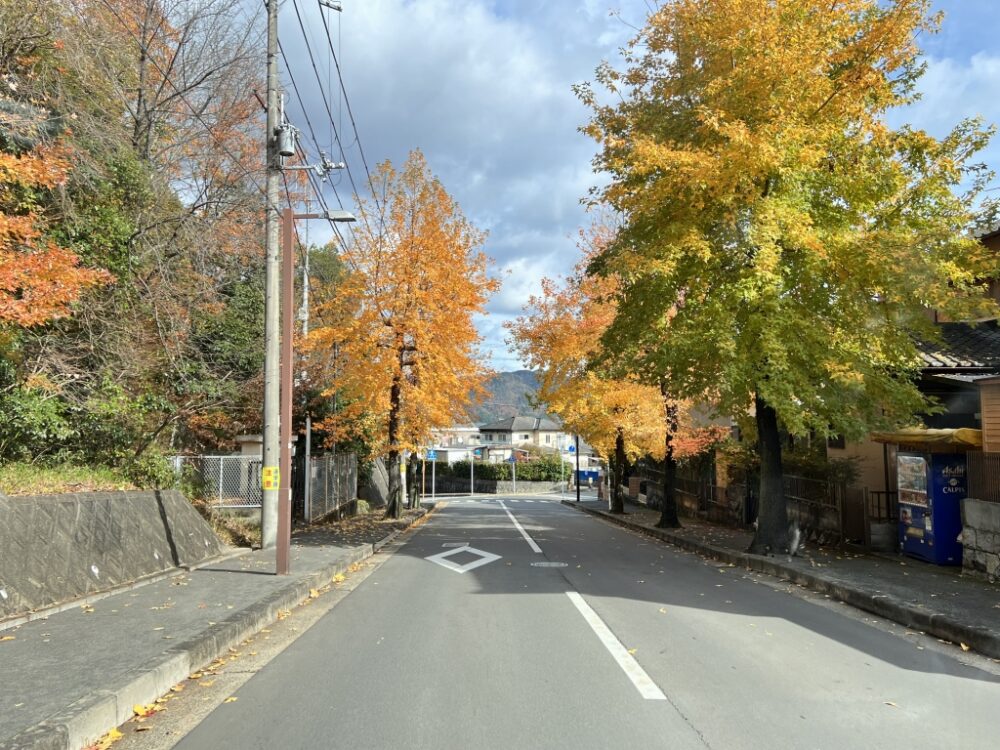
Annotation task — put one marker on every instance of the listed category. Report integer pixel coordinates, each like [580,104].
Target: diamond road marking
[549,565]
[442,559]
[454,544]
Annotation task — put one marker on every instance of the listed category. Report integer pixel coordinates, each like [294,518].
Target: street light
[287,323]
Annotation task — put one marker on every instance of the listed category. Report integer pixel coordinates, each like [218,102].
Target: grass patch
[21,478]
[234,530]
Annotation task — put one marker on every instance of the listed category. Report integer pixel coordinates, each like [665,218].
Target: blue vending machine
[931,489]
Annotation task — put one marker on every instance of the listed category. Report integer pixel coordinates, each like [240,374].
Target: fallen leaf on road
[663,610]
[283,613]
[890,703]
[231,699]
[339,578]
[7,637]
[105,742]
[194,675]
[142,729]
[964,646]
[313,593]
[632,650]
[207,683]
[148,710]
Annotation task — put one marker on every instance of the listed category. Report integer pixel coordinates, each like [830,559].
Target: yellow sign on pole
[270,478]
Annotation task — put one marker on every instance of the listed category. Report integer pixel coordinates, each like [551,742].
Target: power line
[312,131]
[350,110]
[329,111]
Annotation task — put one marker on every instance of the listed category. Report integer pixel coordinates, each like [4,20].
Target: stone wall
[57,548]
[981,537]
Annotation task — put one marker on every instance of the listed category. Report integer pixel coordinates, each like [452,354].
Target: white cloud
[484,89]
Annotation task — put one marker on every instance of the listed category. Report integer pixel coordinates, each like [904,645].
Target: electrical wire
[317,188]
[350,110]
[329,112]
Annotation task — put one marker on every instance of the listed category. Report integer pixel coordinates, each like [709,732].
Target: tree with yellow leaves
[624,418]
[401,321]
[782,242]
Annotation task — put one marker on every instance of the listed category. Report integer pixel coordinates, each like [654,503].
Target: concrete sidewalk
[70,678]
[934,599]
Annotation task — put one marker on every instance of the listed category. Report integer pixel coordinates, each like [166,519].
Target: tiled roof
[518,424]
[963,346]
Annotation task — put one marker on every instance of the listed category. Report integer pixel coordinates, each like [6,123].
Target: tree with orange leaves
[401,321]
[622,417]
[39,280]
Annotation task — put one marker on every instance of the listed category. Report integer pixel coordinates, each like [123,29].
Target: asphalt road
[583,635]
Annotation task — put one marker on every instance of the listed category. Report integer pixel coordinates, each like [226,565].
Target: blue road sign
[572,449]
[432,455]
[512,460]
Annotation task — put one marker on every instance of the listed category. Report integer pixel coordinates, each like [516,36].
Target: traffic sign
[572,449]
[432,455]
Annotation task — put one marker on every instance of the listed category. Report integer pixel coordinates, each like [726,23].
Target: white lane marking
[517,525]
[442,559]
[642,681]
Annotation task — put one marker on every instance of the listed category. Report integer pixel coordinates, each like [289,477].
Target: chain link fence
[333,484]
[225,481]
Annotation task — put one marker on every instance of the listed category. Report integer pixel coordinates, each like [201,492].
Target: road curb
[83,722]
[934,623]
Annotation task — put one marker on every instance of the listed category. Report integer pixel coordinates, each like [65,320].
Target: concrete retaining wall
[446,485]
[981,537]
[57,548]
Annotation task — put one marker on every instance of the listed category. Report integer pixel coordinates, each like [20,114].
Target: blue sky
[484,88]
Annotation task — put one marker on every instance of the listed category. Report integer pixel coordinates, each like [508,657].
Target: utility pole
[270,475]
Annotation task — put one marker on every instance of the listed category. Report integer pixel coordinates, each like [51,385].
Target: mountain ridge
[509,394]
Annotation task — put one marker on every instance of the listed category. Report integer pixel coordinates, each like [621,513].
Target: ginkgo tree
[401,320]
[782,242]
[623,418]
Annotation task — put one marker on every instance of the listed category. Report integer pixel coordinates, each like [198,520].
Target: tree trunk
[413,486]
[668,506]
[772,516]
[617,474]
[394,508]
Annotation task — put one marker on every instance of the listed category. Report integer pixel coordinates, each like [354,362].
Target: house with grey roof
[522,432]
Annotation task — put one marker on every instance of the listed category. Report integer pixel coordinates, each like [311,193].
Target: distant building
[460,435]
[523,431]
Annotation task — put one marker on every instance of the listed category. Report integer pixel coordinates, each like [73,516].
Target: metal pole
[472,474]
[287,326]
[307,495]
[272,322]
[307,499]
[577,437]
[513,473]
[434,464]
